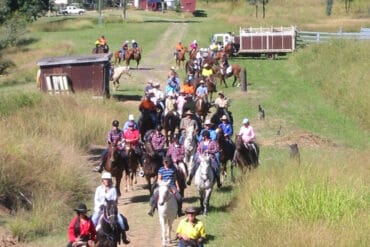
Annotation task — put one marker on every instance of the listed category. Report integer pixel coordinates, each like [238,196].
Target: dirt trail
[145,230]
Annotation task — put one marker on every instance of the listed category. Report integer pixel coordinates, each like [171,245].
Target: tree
[256,2]
[329,6]
[347,5]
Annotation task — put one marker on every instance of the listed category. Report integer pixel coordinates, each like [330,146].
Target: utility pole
[99,9]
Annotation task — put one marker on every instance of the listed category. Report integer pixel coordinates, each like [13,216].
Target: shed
[155,5]
[75,73]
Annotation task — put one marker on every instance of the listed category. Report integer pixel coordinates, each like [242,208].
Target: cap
[245,120]
[81,208]
[167,159]
[106,175]
[201,81]
[223,117]
[156,84]
[205,65]
[131,117]
[173,68]
[221,93]
[191,210]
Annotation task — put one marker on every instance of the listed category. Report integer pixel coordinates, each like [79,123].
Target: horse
[216,117]
[167,211]
[193,54]
[100,49]
[132,166]
[211,85]
[204,181]
[137,56]
[109,232]
[180,57]
[115,164]
[229,49]
[117,73]
[202,107]
[245,157]
[152,163]
[192,68]
[171,122]
[227,150]
[117,57]
[133,53]
[190,146]
[145,123]
[235,70]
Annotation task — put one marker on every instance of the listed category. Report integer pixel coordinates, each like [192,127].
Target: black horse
[146,122]
[171,122]
[109,232]
[227,150]
[245,156]
[216,117]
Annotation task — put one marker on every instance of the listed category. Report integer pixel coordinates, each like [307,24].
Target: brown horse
[211,85]
[245,156]
[133,54]
[115,164]
[193,54]
[171,122]
[202,107]
[100,49]
[180,57]
[117,57]
[235,71]
[228,49]
[132,166]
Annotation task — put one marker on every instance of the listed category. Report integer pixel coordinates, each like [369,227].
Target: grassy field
[319,95]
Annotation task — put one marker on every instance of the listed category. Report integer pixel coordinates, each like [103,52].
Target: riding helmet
[159,128]
[206,133]
[115,123]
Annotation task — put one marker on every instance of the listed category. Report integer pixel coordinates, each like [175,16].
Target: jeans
[183,244]
[96,216]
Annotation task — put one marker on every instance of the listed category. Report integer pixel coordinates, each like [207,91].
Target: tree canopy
[29,9]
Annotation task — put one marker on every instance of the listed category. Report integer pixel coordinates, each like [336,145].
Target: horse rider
[226,127]
[193,47]
[131,136]
[210,147]
[186,123]
[224,63]
[188,88]
[106,191]
[180,102]
[173,85]
[124,48]
[134,44]
[191,231]
[148,87]
[81,229]
[170,105]
[158,140]
[175,150]
[202,91]
[207,72]
[101,42]
[222,103]
[213,48]
[179,48]
[114,137]
[131,119]
[247,134]
[149,107]
[167,173]
[173,72]
[157,97]
[207,127]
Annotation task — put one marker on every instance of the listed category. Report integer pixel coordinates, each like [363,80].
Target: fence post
[243,80]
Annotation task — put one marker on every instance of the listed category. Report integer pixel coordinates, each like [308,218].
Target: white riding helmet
[245,120]
[131,117]
[133,41]
[106,175]
[126,42]
[194,42]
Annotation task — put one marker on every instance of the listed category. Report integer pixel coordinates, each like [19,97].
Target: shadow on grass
[171,21]
[121,97]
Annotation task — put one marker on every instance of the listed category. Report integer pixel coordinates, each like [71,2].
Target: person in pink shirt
[180,102]
[247,132]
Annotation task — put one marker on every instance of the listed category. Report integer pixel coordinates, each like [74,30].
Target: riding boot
[124,237]
[188,182]
[99,168]
[152,209]
[219,184]
[179,209]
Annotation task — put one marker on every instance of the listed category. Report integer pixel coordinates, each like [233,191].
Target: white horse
[117,73]
[190,146]
[204,181]
[167,211]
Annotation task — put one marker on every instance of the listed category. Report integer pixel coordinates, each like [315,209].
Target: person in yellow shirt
[207,70]
[191,231]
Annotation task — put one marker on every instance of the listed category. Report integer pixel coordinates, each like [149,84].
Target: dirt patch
[6,239]
[303,139]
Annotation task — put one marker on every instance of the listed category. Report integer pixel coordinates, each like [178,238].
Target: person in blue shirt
[207,126]
[226,127]
[202,90]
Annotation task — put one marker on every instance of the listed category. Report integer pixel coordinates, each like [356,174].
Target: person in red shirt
[132,136]
[81,230]
[148,107]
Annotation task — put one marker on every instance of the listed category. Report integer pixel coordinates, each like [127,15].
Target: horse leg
[118,182]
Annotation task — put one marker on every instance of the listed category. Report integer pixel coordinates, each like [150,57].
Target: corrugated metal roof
[91,58]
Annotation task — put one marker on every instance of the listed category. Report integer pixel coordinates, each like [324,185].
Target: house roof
[91,58]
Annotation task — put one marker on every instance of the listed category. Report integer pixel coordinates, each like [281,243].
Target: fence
[308,37]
